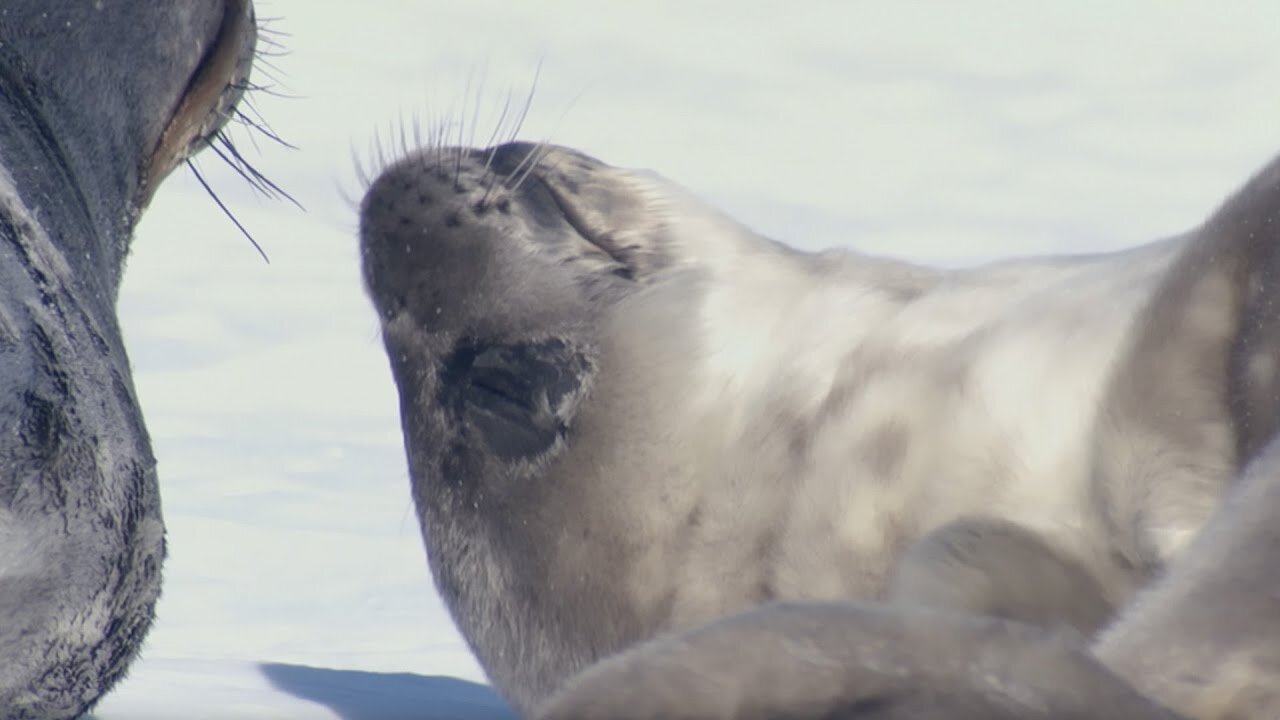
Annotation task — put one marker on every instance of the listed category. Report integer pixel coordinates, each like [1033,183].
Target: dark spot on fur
[694,520]
[886,449]
[764,591]
[453,220]
[764,557]
[568,184]
[799,440]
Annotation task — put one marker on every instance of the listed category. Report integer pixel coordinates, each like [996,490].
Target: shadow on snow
[359,695]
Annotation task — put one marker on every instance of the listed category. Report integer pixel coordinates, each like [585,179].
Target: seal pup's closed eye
[726,421]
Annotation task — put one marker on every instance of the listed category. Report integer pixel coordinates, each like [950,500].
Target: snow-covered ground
[296,585]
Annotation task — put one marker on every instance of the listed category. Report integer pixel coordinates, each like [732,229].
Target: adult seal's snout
[98,102]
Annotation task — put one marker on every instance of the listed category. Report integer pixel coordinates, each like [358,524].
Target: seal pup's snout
[474,272]
[515,236]
[512,219]
[446,241]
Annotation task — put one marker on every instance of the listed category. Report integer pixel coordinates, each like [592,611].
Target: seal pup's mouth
[216,86]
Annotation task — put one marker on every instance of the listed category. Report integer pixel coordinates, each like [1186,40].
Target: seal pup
[626,414]
[98,103]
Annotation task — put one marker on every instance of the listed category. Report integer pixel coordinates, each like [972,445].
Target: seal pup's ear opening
[519,397]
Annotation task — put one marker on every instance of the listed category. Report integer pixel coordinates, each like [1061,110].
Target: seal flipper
[989,566]
[845,661]
[520,397]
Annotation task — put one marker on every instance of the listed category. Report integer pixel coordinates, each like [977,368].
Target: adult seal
[99,101]
[627,416]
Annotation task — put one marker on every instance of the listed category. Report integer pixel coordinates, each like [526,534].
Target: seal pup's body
[98,102]
[626,414]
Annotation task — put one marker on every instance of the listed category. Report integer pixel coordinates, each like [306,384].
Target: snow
[296,585]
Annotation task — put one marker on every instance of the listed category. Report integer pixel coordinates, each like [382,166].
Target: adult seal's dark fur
[98,102]
[626,415]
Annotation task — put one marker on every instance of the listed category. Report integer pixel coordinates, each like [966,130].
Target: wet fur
[90,95]
[707,421]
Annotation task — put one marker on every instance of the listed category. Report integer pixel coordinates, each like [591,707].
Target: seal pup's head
[539,311]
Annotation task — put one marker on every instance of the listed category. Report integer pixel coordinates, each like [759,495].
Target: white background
[296,585]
